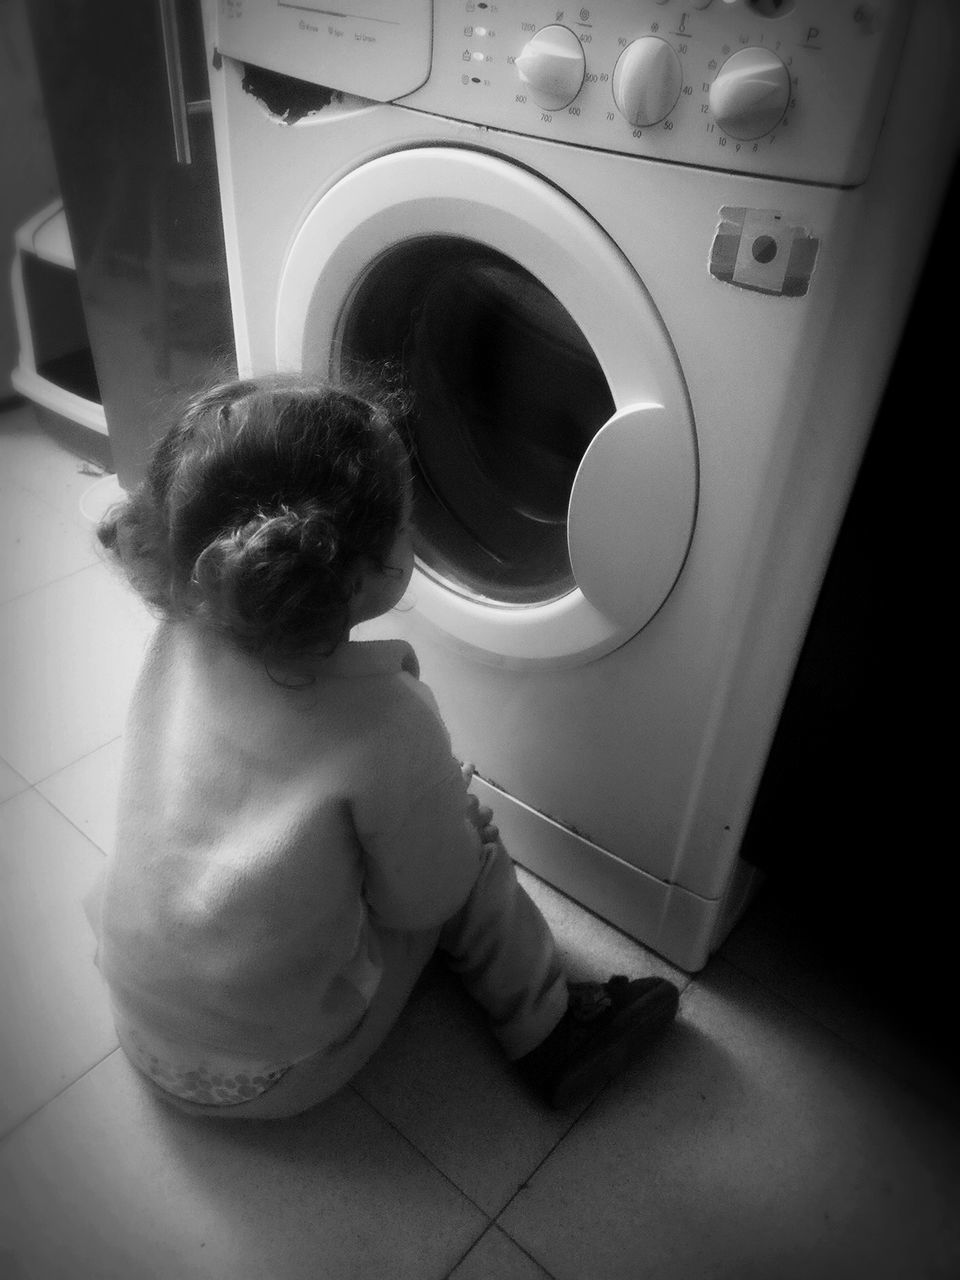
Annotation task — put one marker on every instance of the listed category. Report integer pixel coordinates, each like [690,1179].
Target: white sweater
[265,835]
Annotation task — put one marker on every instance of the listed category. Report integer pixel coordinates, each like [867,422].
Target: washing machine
[641,267]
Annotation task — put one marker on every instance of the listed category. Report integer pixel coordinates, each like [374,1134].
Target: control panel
[785,88]
[373,48]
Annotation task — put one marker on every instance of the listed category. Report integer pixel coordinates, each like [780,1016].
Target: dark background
[853,823]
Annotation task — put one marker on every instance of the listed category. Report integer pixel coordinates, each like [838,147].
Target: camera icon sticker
[763,250]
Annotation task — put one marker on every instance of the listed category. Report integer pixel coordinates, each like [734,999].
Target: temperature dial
[750,94]
[647,80]
[552,67]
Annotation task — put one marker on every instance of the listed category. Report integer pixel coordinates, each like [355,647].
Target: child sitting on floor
[295,838]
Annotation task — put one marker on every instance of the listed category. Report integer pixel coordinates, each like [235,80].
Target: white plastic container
[55,369]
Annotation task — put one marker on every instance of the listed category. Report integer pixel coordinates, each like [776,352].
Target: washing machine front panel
[539,371]
[628,780]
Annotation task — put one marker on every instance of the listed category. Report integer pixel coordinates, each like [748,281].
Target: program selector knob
[552,67]
[750,94]
[647,81]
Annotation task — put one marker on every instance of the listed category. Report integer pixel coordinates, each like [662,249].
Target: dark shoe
[606,1025]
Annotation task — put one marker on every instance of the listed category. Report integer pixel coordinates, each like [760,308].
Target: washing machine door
[555,461]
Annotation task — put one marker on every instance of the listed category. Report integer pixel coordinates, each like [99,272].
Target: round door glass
[505,397]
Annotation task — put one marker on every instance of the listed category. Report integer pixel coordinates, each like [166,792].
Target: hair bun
[296,532]
[264,574]
[319,535]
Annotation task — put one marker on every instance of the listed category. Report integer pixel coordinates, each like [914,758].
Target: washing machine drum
[506,395]
[553,450]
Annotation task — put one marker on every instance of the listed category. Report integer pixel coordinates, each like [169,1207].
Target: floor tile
[34,460]
[753,1144]
[55,1019]
[108,1182]
[38,543]
[496,1257]
[10,782]
[442,1080]
[69,654]
[787,954]
[86,793]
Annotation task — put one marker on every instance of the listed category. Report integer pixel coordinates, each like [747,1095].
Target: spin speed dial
[551,66]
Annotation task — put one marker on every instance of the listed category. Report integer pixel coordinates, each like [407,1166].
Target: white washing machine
[642,265]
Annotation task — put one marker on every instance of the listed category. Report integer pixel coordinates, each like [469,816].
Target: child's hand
[479,815]
[490,835]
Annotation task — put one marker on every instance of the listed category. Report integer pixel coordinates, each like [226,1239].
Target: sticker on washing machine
[763,250]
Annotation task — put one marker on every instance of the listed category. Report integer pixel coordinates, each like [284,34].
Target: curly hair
[257,506]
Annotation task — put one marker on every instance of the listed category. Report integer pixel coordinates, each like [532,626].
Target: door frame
[637,484]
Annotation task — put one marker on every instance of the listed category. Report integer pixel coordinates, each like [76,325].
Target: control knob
[552,67]
[750,94]
[647,80]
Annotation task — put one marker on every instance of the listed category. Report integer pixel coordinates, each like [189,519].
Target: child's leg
[504,952]
[567,1040]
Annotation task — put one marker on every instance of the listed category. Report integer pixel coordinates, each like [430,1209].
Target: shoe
[606,1026]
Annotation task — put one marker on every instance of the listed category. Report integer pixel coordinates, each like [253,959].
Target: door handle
[180,109]
[633,508]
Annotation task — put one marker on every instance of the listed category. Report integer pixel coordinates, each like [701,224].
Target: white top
[265,835]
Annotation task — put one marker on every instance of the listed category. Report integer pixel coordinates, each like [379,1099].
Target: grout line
[85,756]
[587,1106]
[575,1122]
[66,817]
[4,1138]
[27,785]
[433,1165]
[470,1248]
[53,582]
[548,1275]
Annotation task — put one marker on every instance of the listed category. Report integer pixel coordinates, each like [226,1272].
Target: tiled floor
[781,1131]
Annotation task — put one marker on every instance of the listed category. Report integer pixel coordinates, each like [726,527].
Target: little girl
[295,838]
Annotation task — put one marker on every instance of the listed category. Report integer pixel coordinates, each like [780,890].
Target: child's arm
[420,871]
